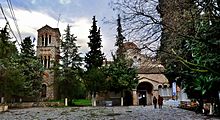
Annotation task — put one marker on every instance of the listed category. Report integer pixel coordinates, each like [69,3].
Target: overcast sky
[31,15]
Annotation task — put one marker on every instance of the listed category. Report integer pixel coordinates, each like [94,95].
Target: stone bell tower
[48,51]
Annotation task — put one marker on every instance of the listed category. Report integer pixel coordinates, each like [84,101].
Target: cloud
[37,16]
[65,2]
[30,22]
[33,1]
[80,28]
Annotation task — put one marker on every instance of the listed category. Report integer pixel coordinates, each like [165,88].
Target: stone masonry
[149,73]
[48,52]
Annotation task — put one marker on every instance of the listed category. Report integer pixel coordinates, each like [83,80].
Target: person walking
[155,102]
[160,102]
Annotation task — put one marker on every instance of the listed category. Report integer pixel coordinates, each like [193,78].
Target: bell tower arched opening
[44,91]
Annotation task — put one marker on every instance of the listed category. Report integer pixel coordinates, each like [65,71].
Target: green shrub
[82,102]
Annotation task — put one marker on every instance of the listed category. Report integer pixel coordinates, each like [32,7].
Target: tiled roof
[130,45]
[47,26]
[155,69]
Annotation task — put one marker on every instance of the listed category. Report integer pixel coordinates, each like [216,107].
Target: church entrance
[144,91]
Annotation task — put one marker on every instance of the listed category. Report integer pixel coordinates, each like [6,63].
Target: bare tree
[155,25]
[142,22]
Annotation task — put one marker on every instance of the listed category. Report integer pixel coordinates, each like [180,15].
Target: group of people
[159,101]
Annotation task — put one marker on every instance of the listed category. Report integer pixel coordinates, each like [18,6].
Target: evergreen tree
[11,79]
[119,38]
[32,70]
[71,57]
[194,42]
[69,82]
[12,82]
[27,49]
[121,76]
[95,81]
[7,48]
[94,58]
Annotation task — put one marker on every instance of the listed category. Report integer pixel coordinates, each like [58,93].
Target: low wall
[48,104]
[34,104]
[21,105]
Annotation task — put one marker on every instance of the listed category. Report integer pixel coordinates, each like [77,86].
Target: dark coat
[160,100]
[155,100]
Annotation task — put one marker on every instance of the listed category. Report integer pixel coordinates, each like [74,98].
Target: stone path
[102,113]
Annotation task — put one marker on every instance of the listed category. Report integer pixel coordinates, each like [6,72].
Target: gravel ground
[102,113]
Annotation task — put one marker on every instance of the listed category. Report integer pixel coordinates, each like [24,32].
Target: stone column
[149,99]
[122,101]
[135,97]
[66,102]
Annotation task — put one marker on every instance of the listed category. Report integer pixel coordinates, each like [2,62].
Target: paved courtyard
[102,113]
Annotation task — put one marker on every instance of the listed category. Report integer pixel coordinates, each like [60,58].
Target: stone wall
[35,104]
[51,52]
[149,71]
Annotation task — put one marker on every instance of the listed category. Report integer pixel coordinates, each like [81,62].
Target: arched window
[46,40]
[42,37]
[135,62]
[45,62]
[165,86]
[135,57]
[48,61]
[139,60]
[159,86]
[44,91]
[49,39]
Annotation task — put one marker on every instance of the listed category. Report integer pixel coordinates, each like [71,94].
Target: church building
[152,81]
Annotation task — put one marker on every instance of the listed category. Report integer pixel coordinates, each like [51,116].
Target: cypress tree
[119,38]
[122,76]
[94,77]
[94,58]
